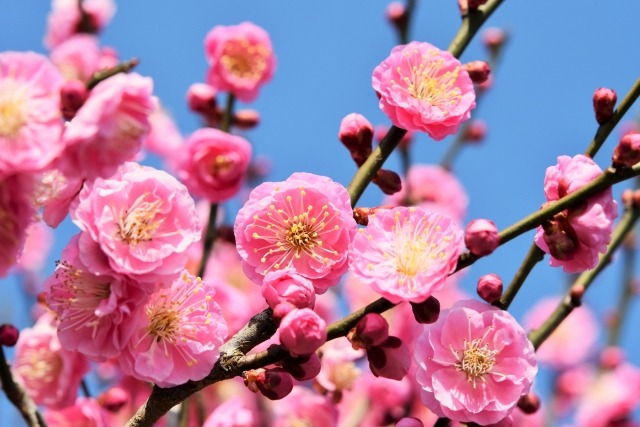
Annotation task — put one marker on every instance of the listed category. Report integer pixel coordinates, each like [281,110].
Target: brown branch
[18,396]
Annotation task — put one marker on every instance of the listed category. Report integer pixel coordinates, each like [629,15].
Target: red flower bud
[478,71]
[627,153]
[604,100]
[529,403]
[370,331]
[490,288]
[427,311]
[246,119]
[73,94]
[481,237]
[8,335]
[388,181]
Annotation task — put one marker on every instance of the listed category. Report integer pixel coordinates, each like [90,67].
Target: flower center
[300,234]
[163,322]
[476,360]
[13,109]
[244,59]
[138,223]
[40,366]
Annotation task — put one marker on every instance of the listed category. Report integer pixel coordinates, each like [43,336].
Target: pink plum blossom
[143,221]
[241,59]
[30,117]
[55,192]
[285,285]
[50,374]
[303,407]
[305,223]
[164,138]
[406,254]
[78,57]
[302,331]
[109,128]
[339,369]
[474,363]
[433,188]
[177,337]
[213,164]
[65,17]
[587,228]
[423,88]
[234,412]
[94,310]
[36,248]
[572,341]
[84,412]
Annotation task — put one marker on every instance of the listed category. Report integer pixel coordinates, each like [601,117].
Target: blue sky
[539,108]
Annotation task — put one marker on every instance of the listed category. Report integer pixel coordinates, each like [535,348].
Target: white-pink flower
[474,363]
[65,17]
[406,254]
[423,88]
[143,221]
[305,223]
[178,335]
[30,117]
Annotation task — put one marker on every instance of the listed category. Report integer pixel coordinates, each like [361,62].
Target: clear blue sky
[540,107]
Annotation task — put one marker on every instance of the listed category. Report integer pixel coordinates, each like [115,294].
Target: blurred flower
[78,57]
[65,18]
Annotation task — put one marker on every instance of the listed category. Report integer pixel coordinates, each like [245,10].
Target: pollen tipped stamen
[476,360]
[138,224]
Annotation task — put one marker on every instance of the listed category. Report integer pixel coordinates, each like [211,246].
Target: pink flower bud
[73,94]
[302,331]
[8,335]
[356,133]
[303,368]
[201,98]
[481,237]
[627,153]
[604,100]
[388,181]
[427,311]
[281,310]
[274,383]
[479,71]
[612,357]
[490,288]
[390,360]
[469,5]
[575,295]
[493,39]
[397,15]
[114,399]
[475,132]
[560,239]
[370,331]
[409,422]
[246,119]
[287,286]
[361,215]
[529,403]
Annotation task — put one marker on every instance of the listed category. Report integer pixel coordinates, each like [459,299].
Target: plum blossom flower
[84,412]
[50,374]
[30,117]
[213,164]
[422,88]
[234,412]
[178,335]
[406,254]
[303,407]
[55,193]
[305,223]
[93,309]
[78,57]
[143,221]
[576,236]
[241,59]
[474,363]
[65,18]
[109,128]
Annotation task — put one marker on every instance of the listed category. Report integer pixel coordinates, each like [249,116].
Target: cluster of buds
[202,99]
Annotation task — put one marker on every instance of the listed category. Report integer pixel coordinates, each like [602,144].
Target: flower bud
[479,71]
[604,100]
[529,403]
[397,15]
[281,310]
[113,399]
[8,335]
[575,295]
[391,359]
[388,181]
[370,331]
[627,153]
[246,119]
[356,133]
[475,131]
[303,368]
[361,215]
[427,311]
[302,331]
[493,39]
[469,5]
[274,383]
[73,94]
[287,286]
[490,288]
[481,237]
[409,422]
[612,357]
[201,98]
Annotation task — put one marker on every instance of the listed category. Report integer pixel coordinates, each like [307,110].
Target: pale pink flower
[422,88]
[572,341]
[36,248]
[406,254]
[339,366]
[433,188]
[55,193]
[64,19]
[78,57]
[16,214]
[587,227]
[50,374]
[285,285]
[241,59]
[305,223]
[142,219]
[302,331]
[303,407]
[93,310]
[84,412]
[164,138]
[109,128]
[213,164]
[474,363]
[177,337]
[234,412]
[30,117]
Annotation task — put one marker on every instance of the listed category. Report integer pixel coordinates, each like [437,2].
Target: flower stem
[534,256]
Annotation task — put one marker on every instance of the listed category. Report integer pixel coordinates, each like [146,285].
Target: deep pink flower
[213,164]
[285,285]
[178,335]
[50,374]
[433,188]
[474,363]
[241,59]
[78,57]
[588,227]
[423,88]
[142,219]
[572,342]
[302,331]
[30,118]
[406,254]
[305,223]
[94,310]
[84,412]
[109,128]
[64,18]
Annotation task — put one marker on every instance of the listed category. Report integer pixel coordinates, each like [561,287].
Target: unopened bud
[493,39]
[409,422]
[475,131]
[575,295]
[370,331]
[529,403]
[303,368]
[276,384]
[246,119]
[201,99]
[479,71]
[388,181]
[281,310]
[560,239]
[73,94]
[356,133]
[612,357]
[604,100]
[467,6]
[490,288]
[397,15]
[627,152]
[113,399]
[427,311]
[8,335]
[481,237]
